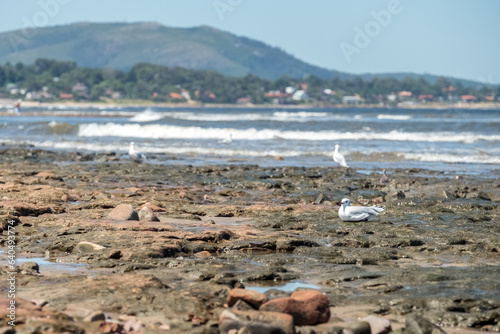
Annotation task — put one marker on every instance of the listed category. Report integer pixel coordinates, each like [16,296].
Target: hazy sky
[459,38]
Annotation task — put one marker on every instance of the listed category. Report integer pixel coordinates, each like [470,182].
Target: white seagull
[339,158]
[134,155]
[350,213]
[227,140]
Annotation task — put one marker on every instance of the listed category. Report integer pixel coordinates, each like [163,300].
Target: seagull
[227,140]
[350,213]
[134,155]
[339,158]
[384,179]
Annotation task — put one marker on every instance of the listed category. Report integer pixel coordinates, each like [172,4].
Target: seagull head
[345,202]
[336,146]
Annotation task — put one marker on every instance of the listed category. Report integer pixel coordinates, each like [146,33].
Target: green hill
[122,45]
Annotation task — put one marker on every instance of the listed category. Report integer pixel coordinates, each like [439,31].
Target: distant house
[300,95]
[80,89]
[392,97]
[353,100]
[66,96]
[276,96]
[490,98]
[426,97]
[244,100]
[405,95]
[175,96]
[468,98]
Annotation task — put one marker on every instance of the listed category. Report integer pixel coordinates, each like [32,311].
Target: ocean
[458,141]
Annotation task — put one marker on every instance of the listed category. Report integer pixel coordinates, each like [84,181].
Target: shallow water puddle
[59,264]
[287,287]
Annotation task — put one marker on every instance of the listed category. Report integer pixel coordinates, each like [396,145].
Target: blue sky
[459,38]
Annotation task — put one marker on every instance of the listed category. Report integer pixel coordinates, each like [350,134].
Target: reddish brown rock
[256,322]
[308,307]
[124,212]
[153,207]
[253,298]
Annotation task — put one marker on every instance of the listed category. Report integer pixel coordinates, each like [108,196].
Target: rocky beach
[104,245]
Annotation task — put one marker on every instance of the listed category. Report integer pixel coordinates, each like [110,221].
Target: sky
[457,38]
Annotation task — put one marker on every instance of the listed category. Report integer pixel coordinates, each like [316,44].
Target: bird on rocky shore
[350,213]
[134,155]
[339,158]
[384,179]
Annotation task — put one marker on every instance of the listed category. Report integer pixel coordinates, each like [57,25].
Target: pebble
[253,298]
[147,214]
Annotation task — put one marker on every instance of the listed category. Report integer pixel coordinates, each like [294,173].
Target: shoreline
[151,104]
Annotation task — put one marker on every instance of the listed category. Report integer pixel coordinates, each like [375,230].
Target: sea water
[451,141]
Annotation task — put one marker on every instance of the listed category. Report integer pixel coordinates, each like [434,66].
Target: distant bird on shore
[134,155]
[384,179]
[339,158]
[227,140]
[350,213]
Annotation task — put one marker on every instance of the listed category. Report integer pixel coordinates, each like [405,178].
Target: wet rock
[253,298]
[308,307]
[124,212]
[95,316]
[256,322]
[358,327]
[88,247]
[30,268]
[378,325]
[202,254]
[242,306]
[147,214]
[415,324]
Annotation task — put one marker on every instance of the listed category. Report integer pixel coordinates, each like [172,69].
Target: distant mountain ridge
[122,45]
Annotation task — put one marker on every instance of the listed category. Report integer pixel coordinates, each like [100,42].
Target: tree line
[157,82]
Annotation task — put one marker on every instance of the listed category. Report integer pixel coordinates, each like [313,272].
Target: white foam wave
[451,158]
[161,131]
[394,117]
[278,116]
[147,115]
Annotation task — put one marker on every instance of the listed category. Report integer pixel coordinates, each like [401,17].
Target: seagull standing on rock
[350,213]
[339,158]
[134,155]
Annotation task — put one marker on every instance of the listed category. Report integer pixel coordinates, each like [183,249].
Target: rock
[110,328]
[308,307]
[320,199]
[378,325]
[30,268]
[146,213]
[48,176]
[25,209]
[253,298]
[124,212]
[202,254]
[358,327]
[69,198]
[395,194]
[481,195]
[95,316]
[115,254]
[418,325]
[256,322]
[88,247]
[153,207]
[242,306]
[133,325]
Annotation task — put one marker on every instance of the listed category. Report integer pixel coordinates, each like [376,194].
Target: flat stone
[378,325]
[256,322]
[95,316]
[253,298]
[88,247]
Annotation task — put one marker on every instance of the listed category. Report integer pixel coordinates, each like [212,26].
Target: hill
[121,45]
